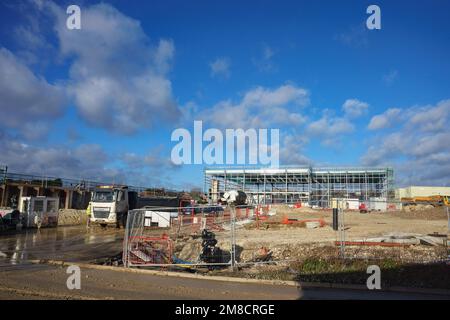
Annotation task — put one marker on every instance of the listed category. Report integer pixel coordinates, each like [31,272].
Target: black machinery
[210,253]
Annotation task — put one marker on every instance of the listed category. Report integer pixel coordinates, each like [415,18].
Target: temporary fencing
[187,236]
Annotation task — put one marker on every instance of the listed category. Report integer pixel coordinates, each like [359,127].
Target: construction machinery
[110,205]
[363,208]
[435,201]
[236,197]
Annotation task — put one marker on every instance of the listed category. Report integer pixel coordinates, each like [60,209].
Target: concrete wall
[68,198]
[420,191]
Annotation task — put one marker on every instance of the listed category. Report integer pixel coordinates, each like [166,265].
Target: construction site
[314,186]
[299,226]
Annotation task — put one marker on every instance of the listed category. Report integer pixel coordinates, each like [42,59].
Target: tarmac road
[49,282]
[36,281]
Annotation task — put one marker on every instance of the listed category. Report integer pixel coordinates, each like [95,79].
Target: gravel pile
[70,217]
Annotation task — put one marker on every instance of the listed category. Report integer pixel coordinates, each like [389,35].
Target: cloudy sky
[101,102]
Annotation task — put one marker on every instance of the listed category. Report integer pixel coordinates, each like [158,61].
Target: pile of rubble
[418,207]
[69,217]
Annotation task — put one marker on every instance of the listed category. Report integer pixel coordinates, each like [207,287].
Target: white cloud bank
[355,108]
[28,102]
[260,107]
[118,78]
[417,143]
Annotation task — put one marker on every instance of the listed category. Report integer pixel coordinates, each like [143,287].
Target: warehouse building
[421,191]
[311,185]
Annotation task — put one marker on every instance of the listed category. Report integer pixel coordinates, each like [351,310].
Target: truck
[110,204]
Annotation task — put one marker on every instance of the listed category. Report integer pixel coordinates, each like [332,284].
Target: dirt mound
[70,217]
[189,251]
[420,212]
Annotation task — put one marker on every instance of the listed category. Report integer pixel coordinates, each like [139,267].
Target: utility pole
[5,170]
[233,235]
[339,224]
[448,233]
[341,227]
[448,220]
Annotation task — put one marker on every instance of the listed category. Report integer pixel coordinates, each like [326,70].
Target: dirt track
[358,226]
[301,241]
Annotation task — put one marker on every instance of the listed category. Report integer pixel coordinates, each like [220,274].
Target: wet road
[49,282]
[75,243]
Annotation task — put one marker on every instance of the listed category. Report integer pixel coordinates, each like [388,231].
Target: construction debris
[309,223]
[399,239]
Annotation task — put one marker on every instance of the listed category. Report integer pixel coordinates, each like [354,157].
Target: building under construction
[315,186]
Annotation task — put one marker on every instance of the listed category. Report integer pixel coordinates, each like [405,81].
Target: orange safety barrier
[368,243]
[286,220]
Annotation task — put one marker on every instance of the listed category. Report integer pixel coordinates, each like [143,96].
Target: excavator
[436,201]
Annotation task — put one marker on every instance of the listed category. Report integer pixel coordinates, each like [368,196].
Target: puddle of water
[62,243]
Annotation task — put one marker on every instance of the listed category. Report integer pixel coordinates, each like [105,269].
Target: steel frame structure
[316,186]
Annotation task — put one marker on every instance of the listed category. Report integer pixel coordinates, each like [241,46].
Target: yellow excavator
[435,201]
[446,201]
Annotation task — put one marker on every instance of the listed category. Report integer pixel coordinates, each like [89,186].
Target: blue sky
[101,102]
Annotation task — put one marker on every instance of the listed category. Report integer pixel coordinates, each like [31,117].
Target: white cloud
[417,145]
[267,98]
[431,118]
[355,108]
[151,160]
[26,100]
[385,119]
[260,108]
[292,150]
[118,79]
[221,67]
[330,127]
[86,161]
[30,38]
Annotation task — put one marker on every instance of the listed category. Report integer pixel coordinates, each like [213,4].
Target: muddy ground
[298,242]
[72,217]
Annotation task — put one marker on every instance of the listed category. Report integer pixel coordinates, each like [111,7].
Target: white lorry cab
[109,205]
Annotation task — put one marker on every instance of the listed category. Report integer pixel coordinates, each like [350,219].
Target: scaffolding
[315,186]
